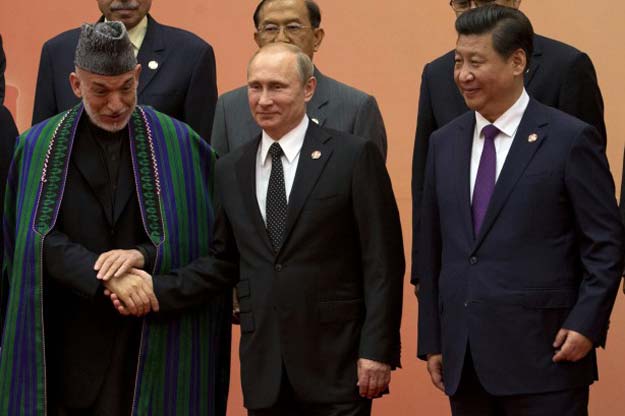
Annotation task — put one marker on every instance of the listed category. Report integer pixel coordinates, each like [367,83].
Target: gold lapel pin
[316,154]
[152,65]
[532,137]
[314,120]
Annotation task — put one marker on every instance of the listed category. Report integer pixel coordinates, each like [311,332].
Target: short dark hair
[511,29]
[314,14]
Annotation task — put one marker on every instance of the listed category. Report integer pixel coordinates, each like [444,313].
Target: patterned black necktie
[276,198]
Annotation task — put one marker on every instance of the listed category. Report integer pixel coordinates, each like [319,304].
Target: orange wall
[379,47]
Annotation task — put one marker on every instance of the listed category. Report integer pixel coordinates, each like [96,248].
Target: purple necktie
[485,179]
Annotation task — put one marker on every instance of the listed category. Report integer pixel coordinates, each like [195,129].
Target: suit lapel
[462,171]
[307,173]
[537,57]
[152,51]
[518,158]
[246,176]
[316,108]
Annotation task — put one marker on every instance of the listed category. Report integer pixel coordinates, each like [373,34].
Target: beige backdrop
[379,47]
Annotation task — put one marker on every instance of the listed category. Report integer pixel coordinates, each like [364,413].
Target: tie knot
[490,132]
[275,150]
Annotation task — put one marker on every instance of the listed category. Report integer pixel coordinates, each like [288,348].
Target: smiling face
[109,100]
[489,82]
[129,12]
[276,93]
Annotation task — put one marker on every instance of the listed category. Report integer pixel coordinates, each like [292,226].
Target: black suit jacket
[85,336]
[548,256]
[183,85]
[333,293]
[3,66]
[8,134]
[559,76]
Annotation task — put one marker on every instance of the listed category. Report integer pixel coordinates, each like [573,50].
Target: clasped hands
[129,287]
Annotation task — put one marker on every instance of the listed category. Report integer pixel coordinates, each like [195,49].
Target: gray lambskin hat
[105,49]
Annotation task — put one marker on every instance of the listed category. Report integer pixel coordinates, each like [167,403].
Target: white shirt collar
[291,143]
[508,122]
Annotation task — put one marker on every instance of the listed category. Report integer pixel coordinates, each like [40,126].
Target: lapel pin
[152,65]
[315,120]
[316,154]
[532,137]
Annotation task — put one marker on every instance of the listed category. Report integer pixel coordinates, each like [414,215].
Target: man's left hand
[570,346]
[373,378]
[116,263]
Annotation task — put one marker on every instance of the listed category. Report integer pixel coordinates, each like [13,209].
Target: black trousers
[472,400]
[289,405]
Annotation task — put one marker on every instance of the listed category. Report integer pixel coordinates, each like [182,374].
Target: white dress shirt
[507,123]
[291,144]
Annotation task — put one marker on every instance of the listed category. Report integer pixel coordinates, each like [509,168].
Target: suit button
[466,304]
[278,267]
[473,260]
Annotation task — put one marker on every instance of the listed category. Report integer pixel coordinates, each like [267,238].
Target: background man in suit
[178,76]
[334,105]
[559,76]
[522,242]
[308,217]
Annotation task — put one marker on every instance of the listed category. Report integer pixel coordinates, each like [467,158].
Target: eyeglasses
[462,5]
[272,30]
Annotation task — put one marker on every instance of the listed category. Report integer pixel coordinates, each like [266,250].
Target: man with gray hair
[96,193]
[308,221]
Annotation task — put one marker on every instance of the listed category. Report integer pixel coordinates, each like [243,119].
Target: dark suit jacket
[559,76]
[183,86]
[332,294]
[3,66]
[8,134]
[85,336]
[334,105]
[549,255]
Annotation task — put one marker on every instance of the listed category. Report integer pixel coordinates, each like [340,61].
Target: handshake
[130,289]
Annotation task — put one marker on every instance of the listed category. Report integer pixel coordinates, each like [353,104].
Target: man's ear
[519,62]
[74,82]
[318,34]
[137,73]
[309,88]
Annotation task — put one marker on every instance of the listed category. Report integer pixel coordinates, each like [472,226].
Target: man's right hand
[435,368]
[133,292]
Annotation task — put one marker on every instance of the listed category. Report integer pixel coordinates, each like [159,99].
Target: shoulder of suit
[180,37]
[559,119]
[64,39]
[234,96]
[333,87]
[554,48]
[442,63]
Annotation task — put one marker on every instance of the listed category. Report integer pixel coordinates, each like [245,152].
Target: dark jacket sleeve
[580,95]
[206,276]
[199,105]
[370,125]
[45,101]
[601,235]
[426,124]
[383,266]
[429,264]
[3,66]
[70,264]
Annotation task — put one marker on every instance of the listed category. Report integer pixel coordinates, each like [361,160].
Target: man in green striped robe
[95,193]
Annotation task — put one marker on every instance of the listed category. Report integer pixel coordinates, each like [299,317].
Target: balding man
[308,217]
[334,104]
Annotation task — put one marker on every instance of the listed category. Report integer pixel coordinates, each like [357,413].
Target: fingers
[560,338]
[116,263]
[575,347]
[373,378]
[435,368]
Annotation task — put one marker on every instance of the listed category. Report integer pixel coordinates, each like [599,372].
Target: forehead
[272,66]
[284,10]
[106,80]
[475,44]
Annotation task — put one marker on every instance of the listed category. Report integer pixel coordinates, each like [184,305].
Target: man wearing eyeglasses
[334,105]
[559,76]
